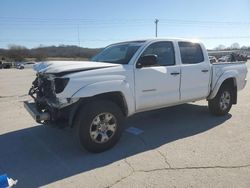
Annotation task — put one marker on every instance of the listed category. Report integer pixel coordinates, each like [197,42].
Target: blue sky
[97,23]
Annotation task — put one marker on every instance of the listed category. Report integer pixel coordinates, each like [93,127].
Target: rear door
[195,72]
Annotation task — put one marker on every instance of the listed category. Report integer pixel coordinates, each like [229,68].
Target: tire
[98,126]
[221,104]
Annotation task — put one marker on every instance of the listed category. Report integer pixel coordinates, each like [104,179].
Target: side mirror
[147,61]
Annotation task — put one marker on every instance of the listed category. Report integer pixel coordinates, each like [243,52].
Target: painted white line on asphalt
[134,130]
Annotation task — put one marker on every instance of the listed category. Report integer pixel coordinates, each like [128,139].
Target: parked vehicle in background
[226,58]
[233,57]
[20,66]
[213,59]
[5,65]
[95,96]
[23,65]
[29,64]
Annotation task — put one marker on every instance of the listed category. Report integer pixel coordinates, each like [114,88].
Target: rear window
[191,53]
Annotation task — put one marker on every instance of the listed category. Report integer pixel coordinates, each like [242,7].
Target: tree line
[234,46]
[19,53]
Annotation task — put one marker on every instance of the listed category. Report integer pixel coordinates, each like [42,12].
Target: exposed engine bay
[43,91]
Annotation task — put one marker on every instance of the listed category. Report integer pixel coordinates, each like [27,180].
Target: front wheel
[98,126]
[222,103]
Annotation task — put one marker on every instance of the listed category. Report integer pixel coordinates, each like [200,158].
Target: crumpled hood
[69,66]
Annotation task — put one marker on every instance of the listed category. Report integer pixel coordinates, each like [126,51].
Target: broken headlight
[60,84]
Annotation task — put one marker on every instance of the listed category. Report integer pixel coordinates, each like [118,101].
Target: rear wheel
[98,126]
[222,103]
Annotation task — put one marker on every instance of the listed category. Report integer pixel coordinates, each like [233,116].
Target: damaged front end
[47,107]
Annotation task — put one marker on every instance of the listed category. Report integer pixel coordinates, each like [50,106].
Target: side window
[191,53]
[164,52]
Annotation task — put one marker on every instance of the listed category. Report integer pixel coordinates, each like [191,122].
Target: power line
[29,19]
[106,25]
[9,23]
[206,22]
[65,23]
[114,39]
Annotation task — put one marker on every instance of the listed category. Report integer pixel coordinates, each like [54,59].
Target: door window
[164,52]
[191,53]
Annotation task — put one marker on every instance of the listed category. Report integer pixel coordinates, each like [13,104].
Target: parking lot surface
[181,146]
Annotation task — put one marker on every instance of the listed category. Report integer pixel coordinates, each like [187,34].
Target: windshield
[118,53]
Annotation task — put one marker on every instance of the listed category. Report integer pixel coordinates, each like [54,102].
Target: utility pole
[156,27]
[79,42]
[78,36]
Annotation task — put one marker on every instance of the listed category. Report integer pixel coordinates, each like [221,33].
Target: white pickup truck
[125,78]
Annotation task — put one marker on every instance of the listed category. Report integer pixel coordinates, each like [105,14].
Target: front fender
[230,74]
[106,87]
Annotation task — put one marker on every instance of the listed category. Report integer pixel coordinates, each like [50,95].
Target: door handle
[174,73]
[205,70]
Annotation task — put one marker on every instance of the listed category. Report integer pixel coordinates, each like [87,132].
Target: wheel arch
[229,81]
[116,97]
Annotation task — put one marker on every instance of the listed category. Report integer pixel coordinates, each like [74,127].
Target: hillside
[20,53]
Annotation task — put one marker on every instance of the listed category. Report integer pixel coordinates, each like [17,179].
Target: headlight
[60,84]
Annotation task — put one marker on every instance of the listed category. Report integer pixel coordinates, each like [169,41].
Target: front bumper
[38,116]
[46,106]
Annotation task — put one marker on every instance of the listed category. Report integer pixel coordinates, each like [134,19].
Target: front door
[158,85]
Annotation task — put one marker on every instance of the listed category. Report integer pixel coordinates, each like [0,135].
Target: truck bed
[219,69]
